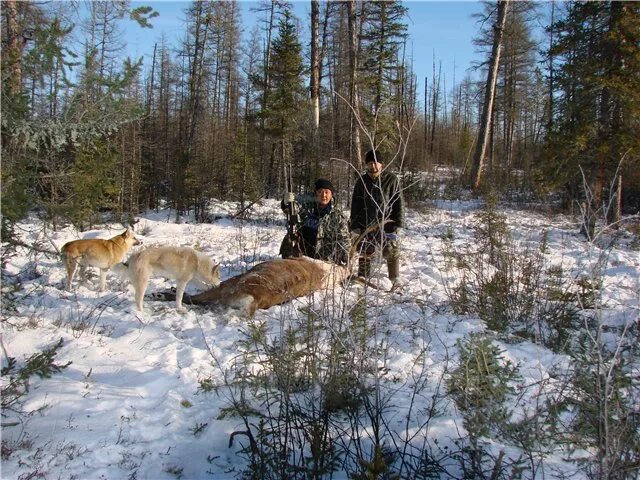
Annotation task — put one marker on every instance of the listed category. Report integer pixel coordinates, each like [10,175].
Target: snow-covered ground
[130,405]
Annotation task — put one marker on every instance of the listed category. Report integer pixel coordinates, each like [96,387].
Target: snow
[130,405]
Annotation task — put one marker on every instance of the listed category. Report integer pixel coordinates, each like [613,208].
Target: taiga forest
[511,349]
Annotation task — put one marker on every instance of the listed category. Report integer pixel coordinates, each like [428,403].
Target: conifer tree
[285,111]
[384,32]
[597,100]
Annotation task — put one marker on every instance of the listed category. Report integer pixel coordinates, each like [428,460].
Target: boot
[364,267]
[393,267]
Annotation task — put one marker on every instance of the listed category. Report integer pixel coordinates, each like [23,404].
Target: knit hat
[372,156]
[323,183]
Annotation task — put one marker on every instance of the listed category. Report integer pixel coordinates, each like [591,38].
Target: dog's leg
[140,284]
[103,279]
[180,287]
[71,265]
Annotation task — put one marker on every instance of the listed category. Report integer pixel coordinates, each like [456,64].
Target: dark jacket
[377,200]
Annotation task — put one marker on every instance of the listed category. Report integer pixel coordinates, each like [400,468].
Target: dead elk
[270,283]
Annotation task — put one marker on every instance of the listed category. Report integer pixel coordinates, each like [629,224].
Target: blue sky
[440,29]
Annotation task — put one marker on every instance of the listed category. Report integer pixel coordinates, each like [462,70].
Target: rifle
[293,216]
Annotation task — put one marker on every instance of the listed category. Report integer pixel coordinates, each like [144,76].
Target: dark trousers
[390,252]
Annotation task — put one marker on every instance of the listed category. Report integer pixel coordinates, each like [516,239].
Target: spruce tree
[285,111]
[597,100]
[383,34]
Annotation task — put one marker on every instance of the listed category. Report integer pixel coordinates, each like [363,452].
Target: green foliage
[93,184]
[509,286]
[206,385]
[383,35]
[490,231]
[142,15]
[377,468]
[15,378]
[499,281]
[603,402]
[307,376]
[341,388]
[17,196]
[286,92]
[481,385]
[597,81]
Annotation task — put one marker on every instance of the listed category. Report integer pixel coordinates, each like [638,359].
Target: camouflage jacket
[324,232]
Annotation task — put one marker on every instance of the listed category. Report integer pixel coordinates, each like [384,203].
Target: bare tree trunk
[434,105]
[265,92]
[551,69]
[315,85]
[15,46]
[315,65]
[355,100]
[489,97]
[426,112]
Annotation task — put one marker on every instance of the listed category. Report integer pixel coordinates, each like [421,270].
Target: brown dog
[96,252]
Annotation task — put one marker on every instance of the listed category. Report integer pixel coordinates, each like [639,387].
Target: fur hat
[323,183]
[372,156]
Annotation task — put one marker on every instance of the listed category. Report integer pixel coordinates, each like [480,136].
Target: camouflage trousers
[390,252]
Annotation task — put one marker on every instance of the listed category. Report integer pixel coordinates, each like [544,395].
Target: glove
[288,198]
[393,236]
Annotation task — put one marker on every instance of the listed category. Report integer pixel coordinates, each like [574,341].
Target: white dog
[182,264]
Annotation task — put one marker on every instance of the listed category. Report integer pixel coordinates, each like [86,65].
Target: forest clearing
[510,347]
[163,395]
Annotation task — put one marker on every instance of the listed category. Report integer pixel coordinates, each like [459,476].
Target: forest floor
[132,402]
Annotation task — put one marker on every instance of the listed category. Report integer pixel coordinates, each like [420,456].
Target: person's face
[323,197]
[374,169]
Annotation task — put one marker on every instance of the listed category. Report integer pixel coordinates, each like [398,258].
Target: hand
[288,198]
[393,236]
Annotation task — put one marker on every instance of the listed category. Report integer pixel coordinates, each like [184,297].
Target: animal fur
[182,264]
[96,252]
[275,282]
[271,283]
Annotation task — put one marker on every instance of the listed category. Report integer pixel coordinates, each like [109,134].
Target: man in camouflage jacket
[377,199]
[323,231]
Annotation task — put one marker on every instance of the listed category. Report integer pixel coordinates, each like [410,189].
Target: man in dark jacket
[323,231]
[377,198]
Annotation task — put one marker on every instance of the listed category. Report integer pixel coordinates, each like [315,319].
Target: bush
[480,386]
[15,379]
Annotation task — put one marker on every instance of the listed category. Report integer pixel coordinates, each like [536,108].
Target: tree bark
[315,65]
[354,97]
[489,97]
[14,48]
[434,106]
